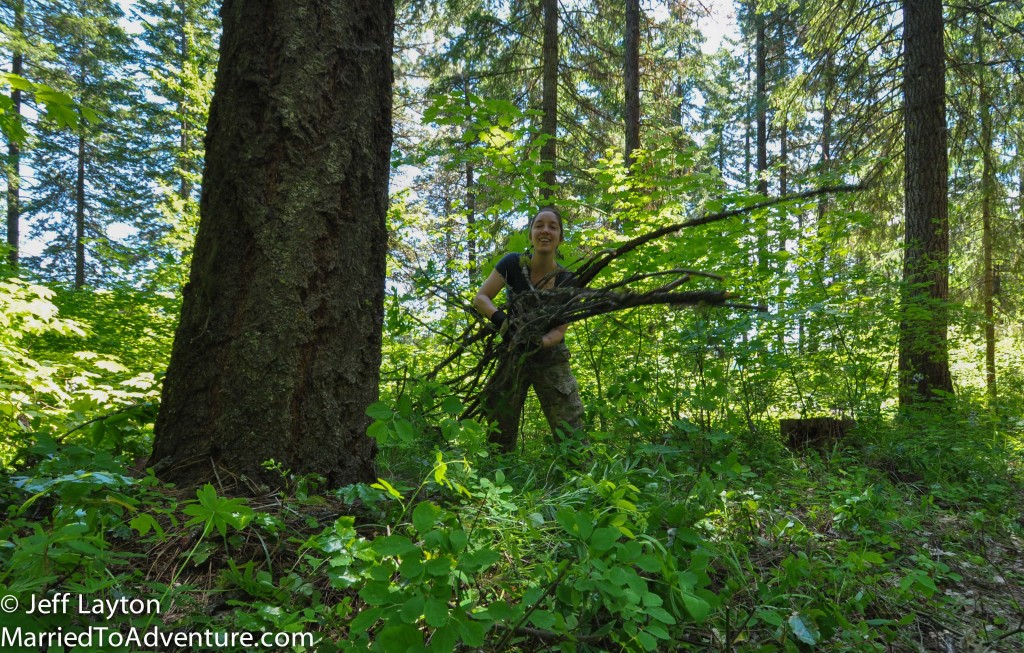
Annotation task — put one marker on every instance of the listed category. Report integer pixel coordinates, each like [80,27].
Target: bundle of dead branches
[538,312]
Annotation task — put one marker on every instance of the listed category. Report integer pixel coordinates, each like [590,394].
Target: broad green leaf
[400,638]
[379,411]
[394,545]
[804,629]
[452,405]
[696,606]
[435,612]
[424,516]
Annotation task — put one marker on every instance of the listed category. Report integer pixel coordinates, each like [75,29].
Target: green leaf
[452,406]
[543,619]
[381,484]
[696,606]
[435,612]
[365,619]
[804,629]
[400,638]
[424,516]
[604,538]
[649,563]
[144,522]
[378,431]
[501,611]
[439,566]
[478,560]
[379,411]
[444,639]
[405,431]
[376,593]
[458,539]
[472,633]
[647,640]
[394,545]
[412,609]
[411,568]
[661,614]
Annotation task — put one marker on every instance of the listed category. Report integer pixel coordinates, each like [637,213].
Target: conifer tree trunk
[13,149]
[632,79]
[549,102]
[470,208]
[923,348]
[761,102]
[761,108]
[80,213]
[988,190]
[278,351]
[184,188]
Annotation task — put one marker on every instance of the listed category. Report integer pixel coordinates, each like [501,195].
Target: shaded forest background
[689,524]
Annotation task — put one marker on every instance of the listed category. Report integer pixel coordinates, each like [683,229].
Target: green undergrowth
[901,539]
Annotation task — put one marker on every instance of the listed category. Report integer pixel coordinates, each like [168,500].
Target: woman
[546,366]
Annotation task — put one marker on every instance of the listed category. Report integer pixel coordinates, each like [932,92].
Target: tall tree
[988,192]
[278,351]
[83,179]
[923,348]
[632,79]
[549,122]
[761,99]
[179,62]
[13,167]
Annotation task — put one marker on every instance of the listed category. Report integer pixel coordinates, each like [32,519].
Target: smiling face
[546,232]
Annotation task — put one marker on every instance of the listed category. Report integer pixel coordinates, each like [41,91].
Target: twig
[123,409]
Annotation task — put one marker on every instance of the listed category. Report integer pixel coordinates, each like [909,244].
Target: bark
[923,348]
[80,214]
[761,103]
[825,162]
[184,188]
[549,102]
[14,150]
[632,79]
[761,109]
[278,351]
[677,109]
[988,189]
[470,210]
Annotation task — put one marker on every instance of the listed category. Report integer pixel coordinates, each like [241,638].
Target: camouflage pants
[549,373]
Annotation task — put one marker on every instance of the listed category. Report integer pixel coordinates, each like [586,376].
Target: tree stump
[814,432]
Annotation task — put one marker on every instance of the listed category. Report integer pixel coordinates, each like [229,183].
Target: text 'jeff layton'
[63,603]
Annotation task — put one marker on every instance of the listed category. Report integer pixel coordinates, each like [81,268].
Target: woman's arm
[554,336]
[484,300]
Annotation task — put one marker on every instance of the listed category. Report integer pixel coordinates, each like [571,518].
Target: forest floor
[706,543]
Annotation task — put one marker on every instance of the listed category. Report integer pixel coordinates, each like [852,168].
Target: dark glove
[503,324]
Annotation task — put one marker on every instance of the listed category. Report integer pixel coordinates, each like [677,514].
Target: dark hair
[548,209]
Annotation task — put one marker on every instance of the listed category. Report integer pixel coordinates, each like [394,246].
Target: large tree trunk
[549,101]
[14,149]
[632,79]
[278,351]
[924,355]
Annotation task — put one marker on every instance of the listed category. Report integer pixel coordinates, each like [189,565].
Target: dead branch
[593,266]
[536,313]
